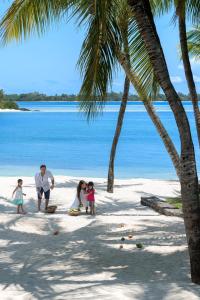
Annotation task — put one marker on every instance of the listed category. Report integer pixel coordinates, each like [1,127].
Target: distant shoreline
[75,101]
[111,96]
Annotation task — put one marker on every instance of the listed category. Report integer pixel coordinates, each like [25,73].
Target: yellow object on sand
[73,212]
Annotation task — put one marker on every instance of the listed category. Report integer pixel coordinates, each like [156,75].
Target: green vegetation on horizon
[112,96]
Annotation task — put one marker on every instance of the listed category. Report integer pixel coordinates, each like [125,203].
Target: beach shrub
[176,202]
[139,245]
[8,105]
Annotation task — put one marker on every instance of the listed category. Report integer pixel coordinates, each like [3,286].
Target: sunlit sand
[83,260]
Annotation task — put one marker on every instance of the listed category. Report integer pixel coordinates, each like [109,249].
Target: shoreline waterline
[101,173]
[103,179]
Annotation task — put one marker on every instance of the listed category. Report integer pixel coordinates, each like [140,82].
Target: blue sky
[48,64]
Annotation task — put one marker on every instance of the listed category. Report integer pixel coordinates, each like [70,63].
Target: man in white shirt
[43,185]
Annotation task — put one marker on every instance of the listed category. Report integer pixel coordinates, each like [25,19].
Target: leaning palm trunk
[120,119]
[188,72]
[167,141]
[188,178]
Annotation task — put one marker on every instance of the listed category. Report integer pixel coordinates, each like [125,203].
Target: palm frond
[193,11]
[99,55]
[134,79]
[161,7]
[25,17]
[194,42]
[191,7]
[98,60]
[140,61]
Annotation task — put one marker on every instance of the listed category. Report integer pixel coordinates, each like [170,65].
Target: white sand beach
[9,110]
[84,260]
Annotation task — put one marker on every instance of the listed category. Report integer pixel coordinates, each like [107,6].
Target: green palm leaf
[193,11]
[140,61]
[98,60]
[160,7]
[191,7]
[25,17]
[194,42]
[100,50]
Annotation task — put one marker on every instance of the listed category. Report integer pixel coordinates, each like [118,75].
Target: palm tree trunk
[188,179]
[188,72]
[110,182]
[167,141]
[120,119]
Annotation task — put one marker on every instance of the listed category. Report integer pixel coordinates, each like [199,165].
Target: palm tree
[138,51]
[194,42]
[188,179]
[184,9]
[90,61]
[181,12]
[110,182]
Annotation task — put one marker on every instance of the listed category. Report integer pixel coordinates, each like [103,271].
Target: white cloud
[196,78]
[180,66]
[176,79]
[195,62]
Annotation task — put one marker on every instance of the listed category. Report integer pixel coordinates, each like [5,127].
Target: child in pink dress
[90,197]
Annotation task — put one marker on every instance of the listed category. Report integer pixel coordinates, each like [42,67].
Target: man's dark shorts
[46,194]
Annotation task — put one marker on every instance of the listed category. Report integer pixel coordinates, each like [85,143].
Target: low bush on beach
[8,105]
[176,202]
[139,245]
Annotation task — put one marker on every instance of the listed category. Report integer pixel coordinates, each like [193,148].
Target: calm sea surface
[60,136]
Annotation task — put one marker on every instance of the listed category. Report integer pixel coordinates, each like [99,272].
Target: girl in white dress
[18,197]
[81,197]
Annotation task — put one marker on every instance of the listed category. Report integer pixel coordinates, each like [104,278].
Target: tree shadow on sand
[88,263]
[101,186]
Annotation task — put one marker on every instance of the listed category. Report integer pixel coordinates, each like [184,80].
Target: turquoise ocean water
[60,136]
